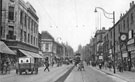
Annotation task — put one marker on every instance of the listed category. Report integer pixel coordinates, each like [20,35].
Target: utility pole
[0,19]
[114,41]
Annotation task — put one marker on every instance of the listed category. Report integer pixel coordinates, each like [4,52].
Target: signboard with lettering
[100,57]
[131,41]
[131,48]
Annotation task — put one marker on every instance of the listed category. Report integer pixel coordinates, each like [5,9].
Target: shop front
[6,55]
[131,55]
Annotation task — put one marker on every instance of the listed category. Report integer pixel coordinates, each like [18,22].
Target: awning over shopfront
[4,49]
[30,54]
[25,53]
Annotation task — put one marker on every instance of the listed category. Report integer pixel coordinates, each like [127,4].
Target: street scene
[67,41]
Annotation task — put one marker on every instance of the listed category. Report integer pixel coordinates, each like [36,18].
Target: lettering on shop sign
[131,48]
[130,41]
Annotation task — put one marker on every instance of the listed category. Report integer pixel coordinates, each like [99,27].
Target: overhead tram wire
[76,15]
[47,14]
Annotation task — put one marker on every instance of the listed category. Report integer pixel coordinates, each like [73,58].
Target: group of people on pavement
[5,67]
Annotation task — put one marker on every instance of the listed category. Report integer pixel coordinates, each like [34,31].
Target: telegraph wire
[76,15]
[47,14]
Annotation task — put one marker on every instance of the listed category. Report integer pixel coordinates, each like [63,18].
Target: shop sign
[100,57]
[131,41]
[110,51]
[124,55]
[131,48]
[133,52]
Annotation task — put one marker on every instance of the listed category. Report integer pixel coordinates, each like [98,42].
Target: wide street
[90,74]
[53,75]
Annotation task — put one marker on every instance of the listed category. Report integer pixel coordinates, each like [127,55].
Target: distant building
[47,42]
[99,43]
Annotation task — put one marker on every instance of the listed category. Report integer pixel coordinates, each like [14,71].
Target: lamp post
[0,19]
[113,14]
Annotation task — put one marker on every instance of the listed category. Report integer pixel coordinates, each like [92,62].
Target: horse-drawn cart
[27,65]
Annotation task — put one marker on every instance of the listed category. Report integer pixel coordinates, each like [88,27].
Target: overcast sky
[75,20]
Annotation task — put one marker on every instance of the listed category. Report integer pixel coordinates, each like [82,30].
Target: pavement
[125,75]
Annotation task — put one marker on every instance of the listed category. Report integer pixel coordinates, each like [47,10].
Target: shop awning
[36,55]
[4,49]
[25,53]
[30,54]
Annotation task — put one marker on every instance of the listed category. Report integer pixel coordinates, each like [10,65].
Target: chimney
[120,15]
[130,5]
[103,28]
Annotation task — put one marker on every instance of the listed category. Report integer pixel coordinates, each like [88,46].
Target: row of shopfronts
[12,54]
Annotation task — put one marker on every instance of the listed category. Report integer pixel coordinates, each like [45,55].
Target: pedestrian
[8,67]
[46,66]
[100,65]
[2,67]
[52,63]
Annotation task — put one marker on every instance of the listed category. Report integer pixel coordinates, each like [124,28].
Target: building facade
[19,26]
[47,43]
[99,44]
[123,51]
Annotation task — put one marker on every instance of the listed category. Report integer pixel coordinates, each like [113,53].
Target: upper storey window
[11,13]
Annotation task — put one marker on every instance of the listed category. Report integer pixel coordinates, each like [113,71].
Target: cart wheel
[36,70]
[26,72]
[16,71]
[20,72]
[32,71]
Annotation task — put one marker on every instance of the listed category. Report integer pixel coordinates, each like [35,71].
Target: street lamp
[104,12]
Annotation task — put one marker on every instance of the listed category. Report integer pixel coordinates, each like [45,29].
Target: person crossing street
[47,66]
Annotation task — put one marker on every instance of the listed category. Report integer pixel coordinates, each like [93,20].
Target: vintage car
[27,65]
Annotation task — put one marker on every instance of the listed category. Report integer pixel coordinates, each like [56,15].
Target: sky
[74,21]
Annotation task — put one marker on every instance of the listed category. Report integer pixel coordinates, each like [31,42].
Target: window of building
[111,34]
[128,22]
[34,40]
[28,38]
[10,32]
[132,18]
[21,38]
[24,36]
[21,17]
[47,46]
[31,39]
[32,25]
[28,22]
[119,28]
[123,24]
[11,13]
[25,20]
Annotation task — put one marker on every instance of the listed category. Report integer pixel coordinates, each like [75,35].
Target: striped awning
[30,54]
[5,49]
